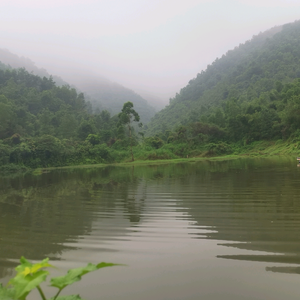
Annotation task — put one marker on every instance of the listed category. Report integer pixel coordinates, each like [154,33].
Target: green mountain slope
[101,92]
[33,106]
[111,96]
[243,74]
[13,61]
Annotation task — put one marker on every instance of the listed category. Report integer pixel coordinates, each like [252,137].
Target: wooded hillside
[243,75]
[102,93]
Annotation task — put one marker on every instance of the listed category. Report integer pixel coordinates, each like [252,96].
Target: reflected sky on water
[209,230]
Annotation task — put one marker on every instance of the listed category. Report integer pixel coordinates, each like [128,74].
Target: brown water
[207,230]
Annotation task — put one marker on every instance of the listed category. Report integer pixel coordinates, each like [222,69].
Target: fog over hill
[100,91]
[242,75]
[15,62]
[155,46]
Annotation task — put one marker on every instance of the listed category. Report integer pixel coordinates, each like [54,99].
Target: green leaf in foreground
[74,275]
[23,284]
[29,276]
[28,268]
[6,294]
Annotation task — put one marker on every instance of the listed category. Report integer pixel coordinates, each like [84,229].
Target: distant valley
[101,92]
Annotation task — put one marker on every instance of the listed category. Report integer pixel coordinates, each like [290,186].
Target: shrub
[218,149]
[154,142]
[101,152]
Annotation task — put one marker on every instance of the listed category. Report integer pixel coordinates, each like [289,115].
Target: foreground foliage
[30,276]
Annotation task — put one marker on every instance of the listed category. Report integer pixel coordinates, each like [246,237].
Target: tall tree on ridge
[126,116]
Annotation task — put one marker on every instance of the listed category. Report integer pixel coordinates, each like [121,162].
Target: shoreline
[165,161]
[260,149]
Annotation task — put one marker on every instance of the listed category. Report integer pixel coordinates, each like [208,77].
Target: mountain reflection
[247,205]
[289,270]
[41,215]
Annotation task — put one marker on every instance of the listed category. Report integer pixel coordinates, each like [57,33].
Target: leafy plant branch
[29,276]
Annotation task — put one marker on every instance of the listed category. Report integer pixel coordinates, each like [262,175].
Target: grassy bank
[262,148]
[257,149]
[172,154]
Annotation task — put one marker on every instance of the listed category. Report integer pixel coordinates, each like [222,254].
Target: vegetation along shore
[245,103]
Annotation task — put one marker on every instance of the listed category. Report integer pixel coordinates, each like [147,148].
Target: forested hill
[32,106]
[111,96]
[101,92]
[13,61]
[243,74]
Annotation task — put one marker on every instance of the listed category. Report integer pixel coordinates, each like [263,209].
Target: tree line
[243,73]
[43,125]
[251,94]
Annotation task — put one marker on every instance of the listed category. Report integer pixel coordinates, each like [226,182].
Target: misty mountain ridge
[157,102]
[100,91]
[243,74]
[15,62]
[105,94]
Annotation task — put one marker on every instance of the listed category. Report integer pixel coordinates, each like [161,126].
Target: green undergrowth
[175,153]
[279,147]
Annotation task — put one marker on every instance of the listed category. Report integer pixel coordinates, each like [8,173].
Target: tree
[126,116]
[85,128]
[7,117]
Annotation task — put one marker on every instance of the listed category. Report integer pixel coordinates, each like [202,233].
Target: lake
[203,230]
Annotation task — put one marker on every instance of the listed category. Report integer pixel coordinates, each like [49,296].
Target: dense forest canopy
[244,74]
[42,124]
[250,95]
[101,92]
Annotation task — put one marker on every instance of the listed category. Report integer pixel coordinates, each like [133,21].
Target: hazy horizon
[151,46]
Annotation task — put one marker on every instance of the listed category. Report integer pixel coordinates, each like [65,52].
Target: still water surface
[205,230]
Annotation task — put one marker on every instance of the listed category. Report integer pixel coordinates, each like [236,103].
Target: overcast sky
[151,45]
